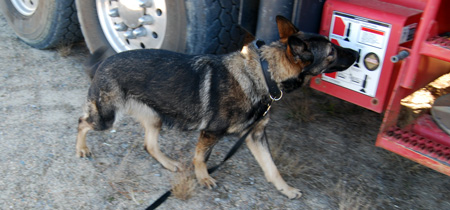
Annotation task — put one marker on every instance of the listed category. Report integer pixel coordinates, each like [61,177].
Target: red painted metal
[394,145]
[426,127]
[429,59]
[431,148]
[423,30]
[383,11]
[426,62]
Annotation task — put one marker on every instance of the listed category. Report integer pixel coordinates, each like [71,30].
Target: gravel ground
[322,145]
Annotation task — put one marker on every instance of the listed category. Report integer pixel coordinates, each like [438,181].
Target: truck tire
[43,24]
[189,26]
[214,26]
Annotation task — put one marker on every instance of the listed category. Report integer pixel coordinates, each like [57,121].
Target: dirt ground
[322,145]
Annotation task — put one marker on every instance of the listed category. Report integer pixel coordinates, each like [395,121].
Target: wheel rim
[25,7]
[133,24]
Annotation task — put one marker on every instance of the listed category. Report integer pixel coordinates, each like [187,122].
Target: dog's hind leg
[151,122]
[152,128]
[261,152]
[204,146]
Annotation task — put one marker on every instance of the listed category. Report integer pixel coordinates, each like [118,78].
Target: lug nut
[120,27]
[129,35]
[114,12]
[140,32]
[146,20]
[145,3]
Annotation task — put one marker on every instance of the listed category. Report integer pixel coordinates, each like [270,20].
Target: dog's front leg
[83,128]
[205,144]
[261,152]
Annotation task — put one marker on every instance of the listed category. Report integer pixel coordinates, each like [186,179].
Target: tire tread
[67,28]
[229,36]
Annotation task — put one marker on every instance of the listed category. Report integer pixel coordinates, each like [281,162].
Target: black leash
[275,92]
[275,95]
[233,150]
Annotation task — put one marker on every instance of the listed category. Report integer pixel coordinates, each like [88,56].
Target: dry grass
[299,106]
[301,110]
[184,184]
[64,50]
[288,165]
[349,199]
[126,188]
[292,166]
[122,180]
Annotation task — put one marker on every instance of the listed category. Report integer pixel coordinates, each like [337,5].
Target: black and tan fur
[216,94]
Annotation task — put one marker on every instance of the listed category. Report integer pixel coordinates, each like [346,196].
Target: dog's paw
[209,182]
[202,175]
[172,165]
[83,152]
[291,193]
[205,179]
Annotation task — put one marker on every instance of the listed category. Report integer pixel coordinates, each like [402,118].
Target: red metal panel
[426,127]
[389,143]
[410,74]
[421,141]
[397,16]
[431,152]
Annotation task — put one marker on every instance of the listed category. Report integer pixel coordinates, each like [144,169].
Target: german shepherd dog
[215,94]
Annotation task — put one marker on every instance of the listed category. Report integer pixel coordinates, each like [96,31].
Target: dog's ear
[285,28]
[298,50]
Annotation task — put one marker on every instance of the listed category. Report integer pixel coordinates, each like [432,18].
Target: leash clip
[268,108]
[275,98]
[270,104]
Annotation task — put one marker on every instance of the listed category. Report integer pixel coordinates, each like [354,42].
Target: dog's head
[314,53]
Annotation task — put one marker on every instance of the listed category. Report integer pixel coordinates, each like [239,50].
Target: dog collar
[275,93]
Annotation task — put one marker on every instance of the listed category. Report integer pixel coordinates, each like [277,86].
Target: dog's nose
[355,54]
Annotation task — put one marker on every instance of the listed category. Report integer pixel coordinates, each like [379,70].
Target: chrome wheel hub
[25,7]
[133,24]
[130,12]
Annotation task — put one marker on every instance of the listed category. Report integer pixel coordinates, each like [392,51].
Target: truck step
[423,142]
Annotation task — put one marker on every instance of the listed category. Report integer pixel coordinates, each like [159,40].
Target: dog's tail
[99,55]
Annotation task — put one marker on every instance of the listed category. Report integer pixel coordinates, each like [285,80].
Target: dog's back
[187,91]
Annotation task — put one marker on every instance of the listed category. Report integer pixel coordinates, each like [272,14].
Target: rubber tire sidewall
[213,26]
[37,30]
[174,38]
